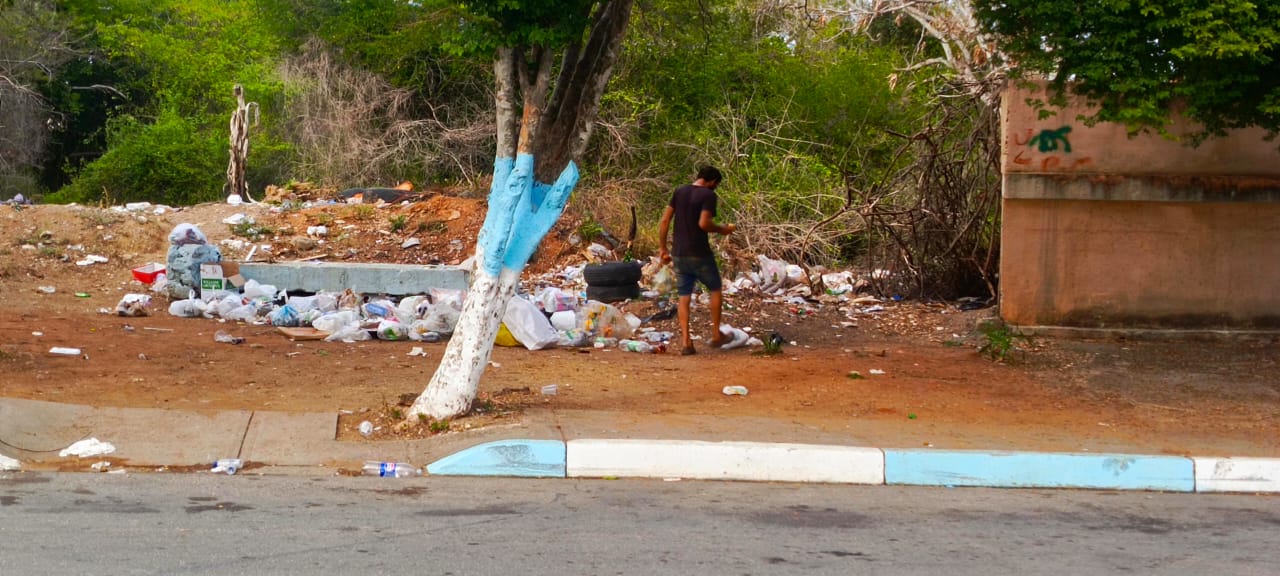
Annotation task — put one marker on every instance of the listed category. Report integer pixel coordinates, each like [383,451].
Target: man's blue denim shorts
[690,270]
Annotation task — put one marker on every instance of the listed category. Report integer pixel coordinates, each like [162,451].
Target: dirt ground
[1177,396]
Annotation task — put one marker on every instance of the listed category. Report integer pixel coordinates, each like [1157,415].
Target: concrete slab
[526,458]
[144,436]
[725,461]
[1038,470]
[288,438]
[1237,474]
[368,278]
[141,436]
[35,429]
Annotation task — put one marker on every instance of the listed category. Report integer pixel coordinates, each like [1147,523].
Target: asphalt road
[247,524]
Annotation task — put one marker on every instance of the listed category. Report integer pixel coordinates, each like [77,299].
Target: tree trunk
[541,145]
[236,183]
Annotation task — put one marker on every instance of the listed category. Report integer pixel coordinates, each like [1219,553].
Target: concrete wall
[1106,231]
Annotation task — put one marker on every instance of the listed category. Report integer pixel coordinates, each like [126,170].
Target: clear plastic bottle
[390,469]
[227,465]
[635,346]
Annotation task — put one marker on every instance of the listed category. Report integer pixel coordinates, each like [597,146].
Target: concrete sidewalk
[551,443]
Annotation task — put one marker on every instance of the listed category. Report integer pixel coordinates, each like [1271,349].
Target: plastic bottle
[635,346]
[390,469]
[228,465]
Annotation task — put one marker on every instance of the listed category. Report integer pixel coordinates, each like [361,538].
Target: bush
[170,161]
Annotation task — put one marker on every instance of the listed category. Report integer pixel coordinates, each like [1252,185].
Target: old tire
[613,293]
[611,274]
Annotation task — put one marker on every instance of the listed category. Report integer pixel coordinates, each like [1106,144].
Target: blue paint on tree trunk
[521,212]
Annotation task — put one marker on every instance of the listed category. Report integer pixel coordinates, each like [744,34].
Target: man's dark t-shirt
[689,201]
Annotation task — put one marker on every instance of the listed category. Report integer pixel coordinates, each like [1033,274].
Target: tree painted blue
[521,212]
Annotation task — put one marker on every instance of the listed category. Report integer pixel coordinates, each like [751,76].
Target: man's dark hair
[709,174]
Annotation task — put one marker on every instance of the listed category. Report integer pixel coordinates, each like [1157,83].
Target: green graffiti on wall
[1048,140]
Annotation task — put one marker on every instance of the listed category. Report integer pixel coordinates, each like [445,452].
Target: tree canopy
[1216,60]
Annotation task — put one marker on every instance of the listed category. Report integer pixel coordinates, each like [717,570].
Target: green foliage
[1137,58]
[590,229]
[168,162]
[171,65]
[1001,341]
[398,222]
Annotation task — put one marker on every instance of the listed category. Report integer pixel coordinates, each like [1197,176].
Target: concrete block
[394,279]
[1237,474]
[528,458]
[724,461]
[1038,470]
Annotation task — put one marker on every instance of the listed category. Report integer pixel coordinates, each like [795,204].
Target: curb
[768,462]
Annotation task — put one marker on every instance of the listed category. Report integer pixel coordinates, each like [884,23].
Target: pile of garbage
[556,312]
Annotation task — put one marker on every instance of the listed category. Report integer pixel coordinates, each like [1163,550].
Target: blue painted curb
[1038,470]
[527,458]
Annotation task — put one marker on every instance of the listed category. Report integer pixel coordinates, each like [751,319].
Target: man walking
[693,207]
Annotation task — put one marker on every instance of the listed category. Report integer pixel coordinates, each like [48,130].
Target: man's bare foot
[718,342]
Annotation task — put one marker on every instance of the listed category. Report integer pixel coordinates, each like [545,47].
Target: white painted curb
[756,461]
[1237,474]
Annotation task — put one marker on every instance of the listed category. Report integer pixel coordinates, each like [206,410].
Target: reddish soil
[1172,396]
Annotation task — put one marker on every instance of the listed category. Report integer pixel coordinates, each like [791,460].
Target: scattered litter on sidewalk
[87,447]
[100,466]
[8,464]
[91,260]
[417,351]
[64,351]
[366,428]
[735,390]
[875,372]
[550,390]
[46,289]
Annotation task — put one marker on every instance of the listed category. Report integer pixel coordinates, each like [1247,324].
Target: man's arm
[663,228]
[708,224]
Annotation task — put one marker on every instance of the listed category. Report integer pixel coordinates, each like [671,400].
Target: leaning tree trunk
[522,207]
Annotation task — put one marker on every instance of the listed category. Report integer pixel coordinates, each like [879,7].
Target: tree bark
[522,207]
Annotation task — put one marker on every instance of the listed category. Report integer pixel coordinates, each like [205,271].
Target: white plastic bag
[134,305]
[245,313]
[254,290]
[737,337]
[390,329]
[773,274]
[554,300]
[349,334]
[445,310]
[529,325]
[185,233]
[190,308]
[335,321]
[413,308]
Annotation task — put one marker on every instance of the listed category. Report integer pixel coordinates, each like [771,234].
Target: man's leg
[682,312]
[717,301]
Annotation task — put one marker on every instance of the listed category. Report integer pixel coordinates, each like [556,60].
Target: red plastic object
[147,274]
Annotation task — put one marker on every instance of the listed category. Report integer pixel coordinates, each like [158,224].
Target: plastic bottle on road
[635,346]
[390,469]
